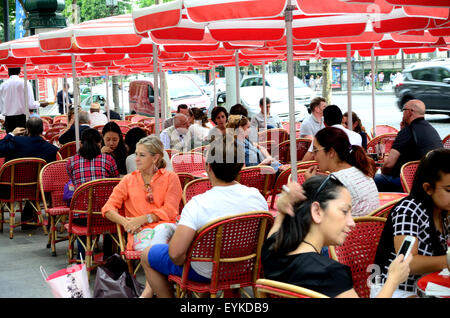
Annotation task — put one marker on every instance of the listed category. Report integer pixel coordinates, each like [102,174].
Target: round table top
[434,278]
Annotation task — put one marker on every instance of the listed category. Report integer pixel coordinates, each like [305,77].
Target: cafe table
[438,278]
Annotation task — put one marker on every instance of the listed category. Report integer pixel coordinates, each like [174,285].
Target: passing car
[101,99]
[279,106]
[427,81]
[276,85]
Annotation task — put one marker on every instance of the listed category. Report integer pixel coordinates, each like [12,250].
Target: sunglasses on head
[323,184]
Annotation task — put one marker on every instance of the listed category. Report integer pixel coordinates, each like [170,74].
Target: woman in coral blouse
[151,196]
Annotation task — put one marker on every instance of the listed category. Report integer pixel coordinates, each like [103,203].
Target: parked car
[277,85]
[429,82]
[279,106]
[181,90]
[221,86]
[101,99]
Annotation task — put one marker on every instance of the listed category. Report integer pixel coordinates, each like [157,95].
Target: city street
[386,111]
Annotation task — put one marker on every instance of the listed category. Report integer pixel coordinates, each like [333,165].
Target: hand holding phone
[406,246]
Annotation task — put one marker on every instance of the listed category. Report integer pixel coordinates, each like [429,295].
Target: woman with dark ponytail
[310,218]
[350,164]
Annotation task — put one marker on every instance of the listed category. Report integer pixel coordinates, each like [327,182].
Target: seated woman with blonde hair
[151,196]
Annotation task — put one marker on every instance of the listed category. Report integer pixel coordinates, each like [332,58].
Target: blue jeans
[387,183]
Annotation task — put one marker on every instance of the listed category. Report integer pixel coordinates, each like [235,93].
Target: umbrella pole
[75,103]
[349,86]
[107,94]
[214,83]
[156,88]
[163,96]
[238,95]
[290,70]
[372,67]
[263,73]
[25,91]
[121,95]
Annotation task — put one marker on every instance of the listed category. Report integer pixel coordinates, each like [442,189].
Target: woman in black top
[318,215]
[424,215]
[113,144]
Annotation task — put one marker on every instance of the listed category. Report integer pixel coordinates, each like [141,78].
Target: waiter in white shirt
[12,100]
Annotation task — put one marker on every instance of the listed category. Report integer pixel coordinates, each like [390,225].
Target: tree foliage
[97,9]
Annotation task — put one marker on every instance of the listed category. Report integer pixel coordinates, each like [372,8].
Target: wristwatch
[149,218]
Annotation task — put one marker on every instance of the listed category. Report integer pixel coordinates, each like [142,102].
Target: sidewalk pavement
[21,257]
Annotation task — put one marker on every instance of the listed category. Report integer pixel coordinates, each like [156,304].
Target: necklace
[311,246]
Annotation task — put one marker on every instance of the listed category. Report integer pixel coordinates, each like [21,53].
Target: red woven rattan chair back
[20,177]
[171,152]
[270,146]
[301,175]
[302,148]
[201,149]
[383,129]
[137,118]
[359,249]
[276,134]
[407,173]
[52,132]
[384,210]
[68,150]
[188,162]
[267,288]
[122,122]
[259,177]
[386,139]
[446,141]
[88,199]
[281,180]
[195,187]
[124,129]
[233,245]
[60,125]
[99,128]
[185,178]
[48,119]
[52,179]
[60,118]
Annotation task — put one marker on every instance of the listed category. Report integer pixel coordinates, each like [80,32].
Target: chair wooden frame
[10,172]
[68,149]
[359,249]
[194,183]
[265,135]
[407,172]
[302,145]
[208,246]
[446,141]
[387,139]
[267,288]
[52,178]
[85,201]
[267,172]
[384,210]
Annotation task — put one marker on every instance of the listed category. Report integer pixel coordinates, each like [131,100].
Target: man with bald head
[416,138]
[173,136]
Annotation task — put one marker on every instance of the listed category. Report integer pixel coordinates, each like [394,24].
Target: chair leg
[12,221]
[1,217]
[70,249]
[52,234]
[88,255]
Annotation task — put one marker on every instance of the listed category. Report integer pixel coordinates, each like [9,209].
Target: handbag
[114,281]
[71,282]
[69,189]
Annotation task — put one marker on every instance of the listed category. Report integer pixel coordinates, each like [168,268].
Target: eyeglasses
[323,184]
[404,108]
[317,149]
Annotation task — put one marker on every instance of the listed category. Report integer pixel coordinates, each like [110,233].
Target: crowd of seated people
[310,217]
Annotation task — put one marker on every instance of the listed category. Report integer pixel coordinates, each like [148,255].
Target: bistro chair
[276,134]
[52,179]
[285,152]
[277,186]
[267,288]
[270,146]
[385,139]
[171,152]
[48,119]
[195,187]
[359,249]
[384,210]
[52,132]
[383,129]
[201,149]
[407,173]
[19,180]
[121,122]
[446,141]
[61,125]
[137,118]
[124,129]
[68,150]
[99,128]
[60,118]
[233,245]
[188,162]
[259,177]
[87,202]
[185,178]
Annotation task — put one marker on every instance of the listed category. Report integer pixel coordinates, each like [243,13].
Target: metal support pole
[263,73]
[156,88]
[238,93]
[75,103]
[290,71]
[349,86]
[107,94]
[372,67]
[121,97]
[25,91]
[214,84]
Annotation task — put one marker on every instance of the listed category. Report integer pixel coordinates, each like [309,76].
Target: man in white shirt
[97,118]
[332,117]
[12,100]
[173,137]
[314,122]
[227,197]
[273,121]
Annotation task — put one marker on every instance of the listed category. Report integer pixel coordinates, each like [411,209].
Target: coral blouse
[130,192]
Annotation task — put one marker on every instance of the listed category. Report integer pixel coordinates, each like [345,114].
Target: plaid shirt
[81,170]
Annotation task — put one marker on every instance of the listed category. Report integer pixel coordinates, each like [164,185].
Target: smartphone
[407,246]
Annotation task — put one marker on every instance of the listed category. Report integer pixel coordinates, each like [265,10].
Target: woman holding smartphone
[424,215]
[317,215]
